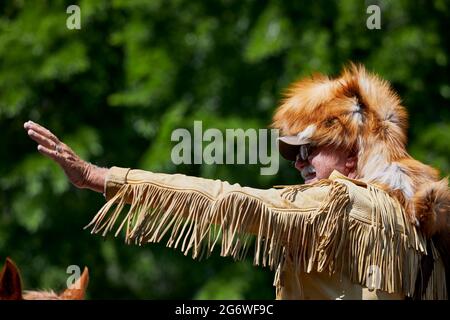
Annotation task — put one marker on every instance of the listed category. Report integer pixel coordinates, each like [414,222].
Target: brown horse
[11,286]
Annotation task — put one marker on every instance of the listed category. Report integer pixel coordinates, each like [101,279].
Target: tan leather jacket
[335,239]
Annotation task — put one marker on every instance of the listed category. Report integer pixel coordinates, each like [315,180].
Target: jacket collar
[337,175]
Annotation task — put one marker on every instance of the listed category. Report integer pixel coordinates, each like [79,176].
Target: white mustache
[306,171]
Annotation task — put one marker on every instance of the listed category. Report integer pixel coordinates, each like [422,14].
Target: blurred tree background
[137,70]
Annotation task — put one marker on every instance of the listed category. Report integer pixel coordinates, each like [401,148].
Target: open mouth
[309,178]
[308,173]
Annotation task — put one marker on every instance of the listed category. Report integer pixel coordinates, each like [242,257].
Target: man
[370,222]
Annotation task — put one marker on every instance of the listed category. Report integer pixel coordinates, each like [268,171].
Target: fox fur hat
[360,111]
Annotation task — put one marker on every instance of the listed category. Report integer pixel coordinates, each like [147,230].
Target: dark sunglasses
[303,152]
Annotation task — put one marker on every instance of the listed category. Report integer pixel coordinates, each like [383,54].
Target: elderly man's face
[322,161]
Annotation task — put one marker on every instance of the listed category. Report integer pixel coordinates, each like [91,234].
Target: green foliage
[270,35]
[137,70]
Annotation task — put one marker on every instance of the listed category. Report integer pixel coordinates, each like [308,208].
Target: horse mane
[41,295]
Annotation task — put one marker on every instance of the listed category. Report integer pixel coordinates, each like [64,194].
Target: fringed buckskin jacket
[336,239]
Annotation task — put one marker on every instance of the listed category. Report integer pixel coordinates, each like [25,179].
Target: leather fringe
[329,239]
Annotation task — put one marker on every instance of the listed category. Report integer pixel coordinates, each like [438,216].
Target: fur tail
[432,210]
[432,207]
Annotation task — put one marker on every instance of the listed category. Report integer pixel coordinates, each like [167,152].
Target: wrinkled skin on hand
[81,174]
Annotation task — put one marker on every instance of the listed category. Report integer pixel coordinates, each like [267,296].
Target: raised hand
[80,173]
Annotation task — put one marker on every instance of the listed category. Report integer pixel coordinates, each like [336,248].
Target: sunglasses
[303,152]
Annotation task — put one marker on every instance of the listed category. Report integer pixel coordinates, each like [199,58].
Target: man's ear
[77,291]
[10,282]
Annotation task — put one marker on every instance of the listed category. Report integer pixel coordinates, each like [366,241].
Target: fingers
[47,139]
[42,140]
[51,153]
[30,125]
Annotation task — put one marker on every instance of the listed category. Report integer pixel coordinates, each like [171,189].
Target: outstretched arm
[81,173]
[319,227]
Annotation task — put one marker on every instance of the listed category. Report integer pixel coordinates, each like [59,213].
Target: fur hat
[359,111]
